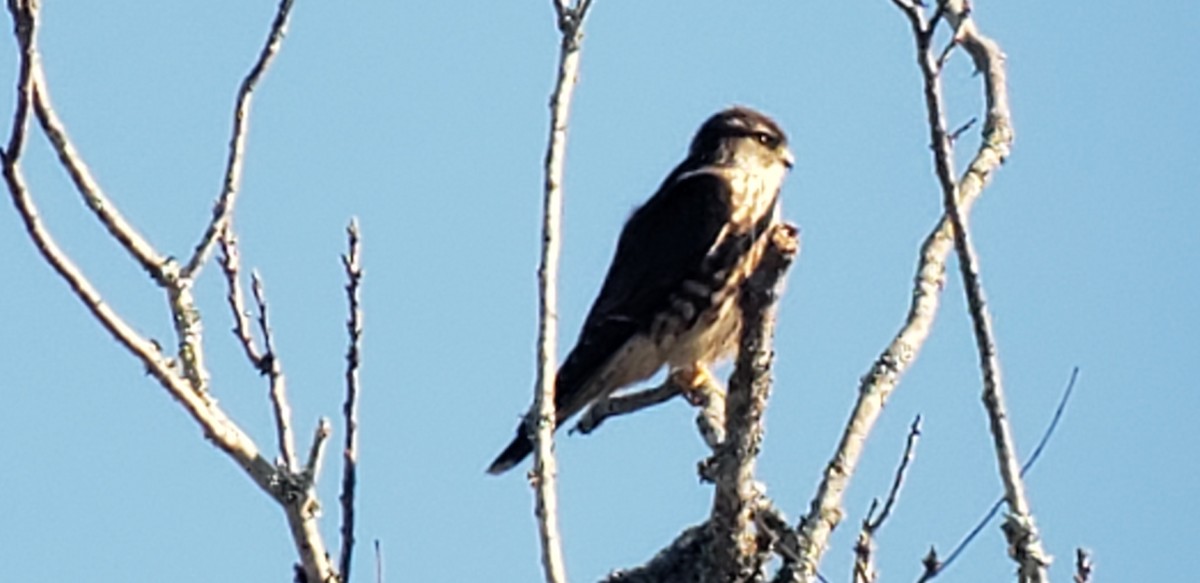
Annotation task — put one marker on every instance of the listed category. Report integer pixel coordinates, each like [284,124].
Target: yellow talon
[696,382]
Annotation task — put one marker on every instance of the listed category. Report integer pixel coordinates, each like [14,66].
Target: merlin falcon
[670,296]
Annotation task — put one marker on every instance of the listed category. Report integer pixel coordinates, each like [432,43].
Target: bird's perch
[725,548]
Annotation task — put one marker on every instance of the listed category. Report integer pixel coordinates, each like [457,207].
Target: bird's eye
[766,139]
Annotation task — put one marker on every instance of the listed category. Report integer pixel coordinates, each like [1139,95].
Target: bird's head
[740,135]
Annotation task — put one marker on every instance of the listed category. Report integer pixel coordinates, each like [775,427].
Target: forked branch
[232,183]
[184,377]
[884,375]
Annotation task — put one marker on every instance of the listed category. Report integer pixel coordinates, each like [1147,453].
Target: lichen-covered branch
[744,527]
[682,561]
[732,553]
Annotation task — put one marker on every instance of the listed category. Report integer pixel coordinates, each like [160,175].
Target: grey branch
[232,182]
[1083,566]
[545,470]
[265,361]
[864,548]
[884,375]
[682,561]
[271,366]
[184,377]
[624,404]
[709,399]
[733,550]
[99,203]
[744,527]
[352,263]
[231,266]
[1019,527]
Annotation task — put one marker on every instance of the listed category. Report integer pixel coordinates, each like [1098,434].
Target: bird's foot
[697,384]
[704,392]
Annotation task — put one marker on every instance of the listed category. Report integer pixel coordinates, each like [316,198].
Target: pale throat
[753,190]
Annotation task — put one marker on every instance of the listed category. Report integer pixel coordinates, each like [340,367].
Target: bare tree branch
[864,548]
[681,562]
[223,210]
[354,329]
[102,206]
[1083,566]
[1020,529]
[231,266]
[732,553]
[378,562]
[877,385]
[708,398]
[303,509]
[184,378]
[272,367]
[935,568]
[910,450]
[545,470]
[316,453]
[624,404]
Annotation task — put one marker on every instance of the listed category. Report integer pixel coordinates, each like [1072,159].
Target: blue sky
[427,120]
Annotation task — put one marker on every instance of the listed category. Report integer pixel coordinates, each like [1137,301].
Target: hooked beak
[789,160]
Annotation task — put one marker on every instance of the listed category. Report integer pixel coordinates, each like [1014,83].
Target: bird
[670,294]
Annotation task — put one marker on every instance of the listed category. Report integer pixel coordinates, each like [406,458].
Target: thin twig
[237,142]
[276,380]
[864,548]
[570,25]
[910,450]
[1083,566]
[378,562]
[962,129]
[25,29]
[354,329]
[1053,426]
[617,405]
[316,453]
[231,267]
[1049,432]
